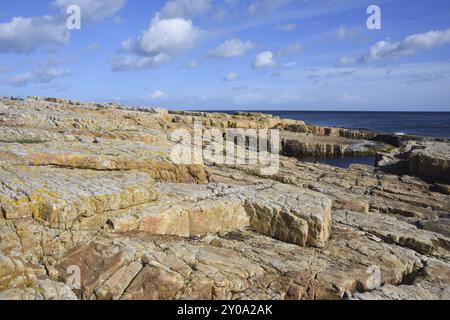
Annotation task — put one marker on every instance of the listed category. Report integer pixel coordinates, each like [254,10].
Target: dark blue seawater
[342,162]
[430,124]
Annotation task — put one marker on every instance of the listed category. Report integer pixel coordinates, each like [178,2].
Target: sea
[428,124]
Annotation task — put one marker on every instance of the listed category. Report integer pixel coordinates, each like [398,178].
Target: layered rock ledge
[429,160]
[90,190]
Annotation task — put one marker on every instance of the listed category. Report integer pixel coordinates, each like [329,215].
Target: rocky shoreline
[92,186]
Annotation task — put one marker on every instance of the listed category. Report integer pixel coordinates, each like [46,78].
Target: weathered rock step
[301,127]
[394,231]
[284,212]
[299,149]
[306,145]
[106,156]
[247,265]
[431,161]
[70,199]
[21,135]
[183,218]
[431,284]
[91,200]
[358,188]
[395,207]
[440,202]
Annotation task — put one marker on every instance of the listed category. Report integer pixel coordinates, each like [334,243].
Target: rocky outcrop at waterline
[91,190]
[307,145]
[429,160]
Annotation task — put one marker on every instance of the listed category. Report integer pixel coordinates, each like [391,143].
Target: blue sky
[230,54]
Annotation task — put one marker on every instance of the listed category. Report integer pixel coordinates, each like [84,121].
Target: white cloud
[168,36]
[25,35]
[185,8]
[92,48]
[220,14]
[43,74]
[346,61]
[409,46]
[159,44]
[290,50]
[287,27]
[157,94]
[92,10]
[231,76]
[341,33]
[232,48]
[265,5]
[419,86]
[193,64]
[347,34]
[263,60]
[118,20]
[428,40]
[5,68]
[126,45]
[290,64]
[386,49]
[133,62]
[401,74]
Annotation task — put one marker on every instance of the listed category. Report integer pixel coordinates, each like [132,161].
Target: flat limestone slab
[394,231]
[124,201]
[300,145]
[68,199]
[288,213]
[108,155]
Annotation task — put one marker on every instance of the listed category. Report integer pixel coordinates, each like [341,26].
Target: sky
[230,54]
